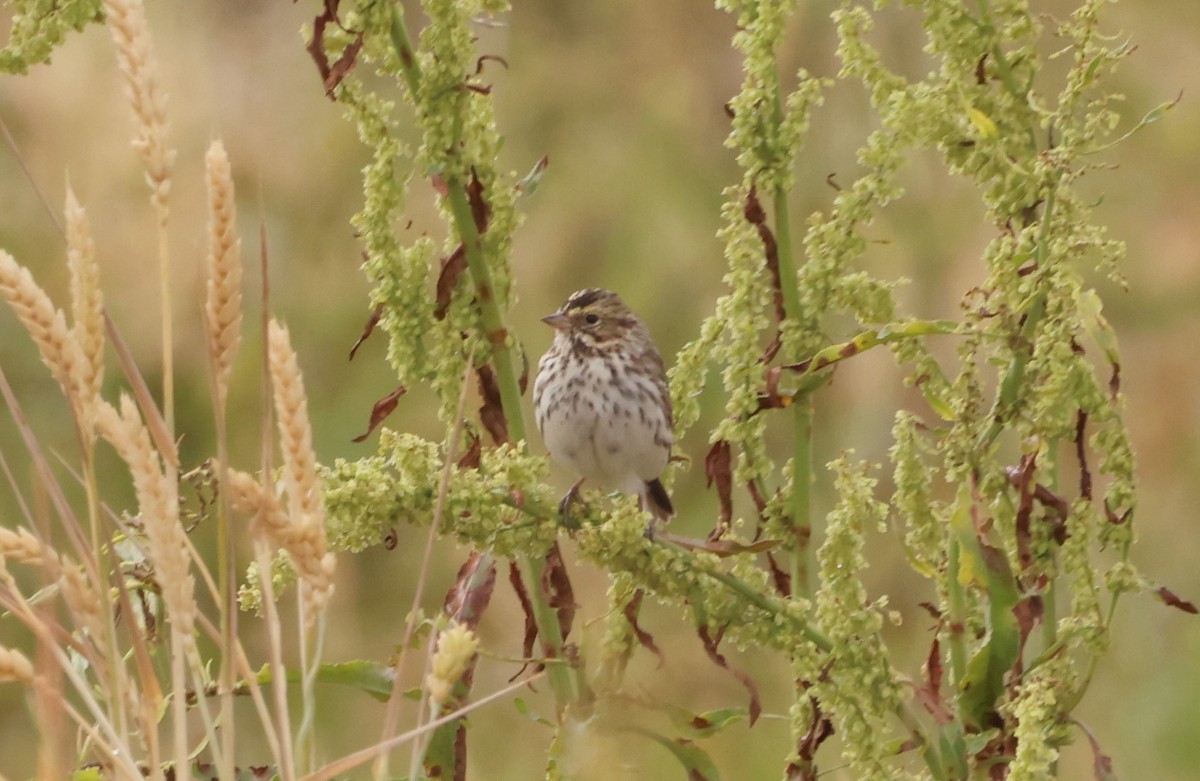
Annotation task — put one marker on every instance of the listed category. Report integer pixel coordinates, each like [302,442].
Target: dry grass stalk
[223,302]
[158,503]
[87,305]
[14,666]
[135,55]
[46,325]
[305,507]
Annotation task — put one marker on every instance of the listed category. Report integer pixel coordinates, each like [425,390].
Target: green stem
[801,567]
[489,309]
[492,321]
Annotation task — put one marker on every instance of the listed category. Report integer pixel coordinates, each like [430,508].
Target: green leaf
[695,761]
[523,709]
[704,725]
[983,684]
[371,677]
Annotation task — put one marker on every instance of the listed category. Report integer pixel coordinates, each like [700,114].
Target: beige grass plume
[158,504]
[87,305]
[305,505]
[47,326]
[135,55]
[223,300]
[14,666]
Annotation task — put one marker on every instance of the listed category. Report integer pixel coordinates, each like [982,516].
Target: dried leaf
[710,647]
[491,412]
[632,608]
[368,329]
[556,584]
[718,469]
[481,210]
[1170,599]
[1029,613]
[1024,483]
[1085,476]
[819,729]
[343,66]
[529,184]
[929,694]
[514,578]
[1102,767]
[471,456]
[780,577]
[380,411]
[452,268]
[472,591]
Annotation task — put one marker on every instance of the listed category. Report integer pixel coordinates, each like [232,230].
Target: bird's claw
[570,498]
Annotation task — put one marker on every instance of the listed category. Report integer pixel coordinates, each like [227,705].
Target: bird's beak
[557,321]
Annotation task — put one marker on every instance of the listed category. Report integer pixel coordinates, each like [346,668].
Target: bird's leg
[572,496]
[650,524]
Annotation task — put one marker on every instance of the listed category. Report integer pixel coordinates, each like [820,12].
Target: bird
[601,400]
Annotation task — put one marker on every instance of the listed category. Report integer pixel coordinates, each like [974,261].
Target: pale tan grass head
[87,305]
[307,545]
[21,547]
[158,505]
[14,667]
[46,325]
[223,300]
[135,55]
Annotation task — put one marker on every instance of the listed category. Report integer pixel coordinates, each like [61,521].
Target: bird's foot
[571,497]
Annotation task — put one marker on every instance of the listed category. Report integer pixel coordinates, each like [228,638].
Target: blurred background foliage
[626,98]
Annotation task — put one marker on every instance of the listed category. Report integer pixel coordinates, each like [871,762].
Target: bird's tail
[657,501]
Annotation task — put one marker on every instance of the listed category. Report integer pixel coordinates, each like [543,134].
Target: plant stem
[489,310]
[801,567]
[531,568]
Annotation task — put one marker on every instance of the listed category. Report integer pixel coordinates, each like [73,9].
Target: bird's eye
[592,318]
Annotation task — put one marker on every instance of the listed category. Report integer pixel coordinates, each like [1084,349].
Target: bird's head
[593,316]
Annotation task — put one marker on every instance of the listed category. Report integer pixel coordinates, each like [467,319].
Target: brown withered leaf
[343,66]
[491,412]
[753,211]
[481,210]
[929,693]
[1025,488]
[1102,766]
[556,584]
[1114,382]
[368,329]
[514,578]
[316,47]
[471,456]
[781,579]
[710,647]
[1029,613]
[472,591]
[384,407]
[1085,476]
[1171,599]
[819,729]
[484,58]
[718,469]
[632,608]
[452,268]
[720,547]
[331,75]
